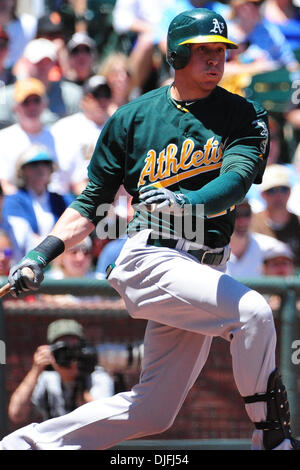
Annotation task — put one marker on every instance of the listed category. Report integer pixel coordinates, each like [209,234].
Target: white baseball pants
[187,304]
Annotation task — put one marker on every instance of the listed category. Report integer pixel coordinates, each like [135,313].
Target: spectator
[278,260]
[6,75]
[76,262]
[108,255]
[276,220]
[6,227]
[247,248]
[74,377]
[51,27]
[81,58]
[21,29]
[262,45]
[137,19]
[30,101]
[6,253]
[81,132]
[33,205]
[38,60]
[286,15]
[116,69]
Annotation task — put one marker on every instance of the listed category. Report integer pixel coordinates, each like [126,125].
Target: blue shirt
[267,38]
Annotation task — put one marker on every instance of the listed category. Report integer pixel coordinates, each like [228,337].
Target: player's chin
[210,81]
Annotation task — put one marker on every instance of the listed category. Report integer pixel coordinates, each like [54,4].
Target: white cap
[80,39]
[39,49]
[278,249]
[274,176]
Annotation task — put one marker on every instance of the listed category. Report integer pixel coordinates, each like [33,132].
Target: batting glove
[22,283]
[165,200]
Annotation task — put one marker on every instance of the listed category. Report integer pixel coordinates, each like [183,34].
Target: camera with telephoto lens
[84,353]
[117,357]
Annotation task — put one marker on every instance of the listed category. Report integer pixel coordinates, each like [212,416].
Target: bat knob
[151,207]
[27,272]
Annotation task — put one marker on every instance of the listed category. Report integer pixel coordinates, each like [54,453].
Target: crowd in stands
[65,69]
[67,66]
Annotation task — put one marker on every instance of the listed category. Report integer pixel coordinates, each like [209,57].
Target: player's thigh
[173,288]
[176,290]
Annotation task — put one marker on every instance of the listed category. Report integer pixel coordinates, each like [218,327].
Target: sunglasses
[103,92]
[278,189]
[84,251]
[32,100]
[7,252]
[80,49]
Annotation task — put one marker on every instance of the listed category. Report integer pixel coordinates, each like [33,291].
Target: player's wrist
[46,251]
[181,199]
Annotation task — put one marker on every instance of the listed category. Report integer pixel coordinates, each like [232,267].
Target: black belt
[204,256]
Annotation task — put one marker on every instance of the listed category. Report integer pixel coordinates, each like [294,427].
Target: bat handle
[5,289]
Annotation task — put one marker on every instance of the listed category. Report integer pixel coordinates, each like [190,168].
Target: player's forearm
[220,194]
[72,227]
[20,402]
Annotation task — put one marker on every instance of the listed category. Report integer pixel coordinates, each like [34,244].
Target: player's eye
[201,49]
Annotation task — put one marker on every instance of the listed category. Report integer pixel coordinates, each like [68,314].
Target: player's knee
[256,317]
[262,311]
[159,422]
[255,308]
[262,316]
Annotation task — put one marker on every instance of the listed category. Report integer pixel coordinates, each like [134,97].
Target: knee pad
[276,428]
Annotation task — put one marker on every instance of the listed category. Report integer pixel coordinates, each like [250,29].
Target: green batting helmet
[199,25]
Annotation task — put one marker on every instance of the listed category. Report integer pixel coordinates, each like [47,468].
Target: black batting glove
[36,260]
[20,282]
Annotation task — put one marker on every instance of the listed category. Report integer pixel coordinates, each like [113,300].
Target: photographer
[63,376]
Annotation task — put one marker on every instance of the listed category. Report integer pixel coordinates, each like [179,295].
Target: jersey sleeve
[105,172]
[244,160]
[248,144]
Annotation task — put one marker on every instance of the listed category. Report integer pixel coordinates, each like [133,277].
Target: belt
[204,256]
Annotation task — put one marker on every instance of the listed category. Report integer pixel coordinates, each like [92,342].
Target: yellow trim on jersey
[178,106]
[185,175]
[220,213]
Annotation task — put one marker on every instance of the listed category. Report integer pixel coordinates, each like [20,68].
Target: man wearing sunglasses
[276,220]
[81,56]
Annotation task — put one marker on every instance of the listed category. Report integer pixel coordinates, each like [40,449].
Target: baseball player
[187,152]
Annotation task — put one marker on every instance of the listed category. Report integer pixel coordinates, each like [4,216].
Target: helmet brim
[210,38]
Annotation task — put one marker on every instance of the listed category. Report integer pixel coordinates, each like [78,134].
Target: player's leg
[172,361]
[199,298]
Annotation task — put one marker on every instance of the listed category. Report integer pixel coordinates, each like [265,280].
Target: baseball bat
[26,272]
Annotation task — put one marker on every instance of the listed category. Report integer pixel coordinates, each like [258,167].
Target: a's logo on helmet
[218,26]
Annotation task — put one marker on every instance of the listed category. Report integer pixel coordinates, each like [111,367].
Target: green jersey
[211,150]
